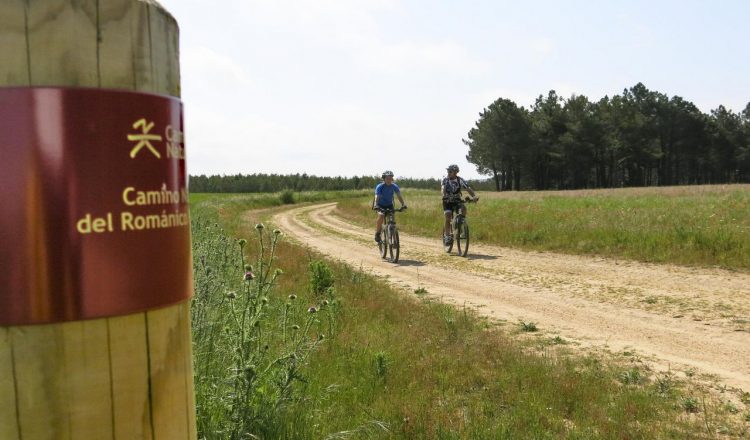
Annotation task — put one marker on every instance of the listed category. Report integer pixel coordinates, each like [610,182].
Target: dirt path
[681,318]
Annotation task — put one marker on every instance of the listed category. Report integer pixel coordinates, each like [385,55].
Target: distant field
[697,225]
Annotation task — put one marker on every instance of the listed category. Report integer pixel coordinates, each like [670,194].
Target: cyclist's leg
[447,225]
[378,226]
[448,212]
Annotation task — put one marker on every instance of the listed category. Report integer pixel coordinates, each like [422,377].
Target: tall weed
[246,367]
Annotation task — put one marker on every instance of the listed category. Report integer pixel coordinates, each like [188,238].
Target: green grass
[705,226]
[393,365]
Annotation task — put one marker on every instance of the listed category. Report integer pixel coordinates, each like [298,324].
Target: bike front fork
[456,223]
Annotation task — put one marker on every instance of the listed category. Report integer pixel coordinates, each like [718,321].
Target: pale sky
[354,87]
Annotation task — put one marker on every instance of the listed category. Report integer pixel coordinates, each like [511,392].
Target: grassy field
[702,226]
[371,362]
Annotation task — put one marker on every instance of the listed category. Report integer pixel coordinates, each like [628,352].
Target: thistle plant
[245,368]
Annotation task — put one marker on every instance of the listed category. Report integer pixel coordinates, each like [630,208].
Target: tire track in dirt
[596,302]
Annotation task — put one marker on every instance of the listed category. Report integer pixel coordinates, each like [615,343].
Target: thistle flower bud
[249,276]
[242,242]
[276,232]
[312,310]
[231,295]
[292,297]
[259,226]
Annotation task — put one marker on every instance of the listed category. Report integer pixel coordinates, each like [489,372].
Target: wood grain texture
[116,44]
[86,379]
[39,363]
[127,44]
[131,400]
[169,367]
[14,66]
[62,39]
[8,414]
[127,377]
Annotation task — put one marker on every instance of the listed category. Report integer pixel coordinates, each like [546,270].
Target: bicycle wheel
[393,246]
[462,238]
[383,244]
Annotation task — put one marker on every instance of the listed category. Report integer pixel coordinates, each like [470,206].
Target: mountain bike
[460,230]
[389,245]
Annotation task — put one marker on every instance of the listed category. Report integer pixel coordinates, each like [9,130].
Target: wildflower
[242,242]
[321,337]
[292,297]
[312,310]
[231,295]
[249,276]
[325,302]
[276,232]
[264,300]
[259,226]
[295,327]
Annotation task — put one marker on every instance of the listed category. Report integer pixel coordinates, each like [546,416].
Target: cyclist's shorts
[384,207]
[451,205]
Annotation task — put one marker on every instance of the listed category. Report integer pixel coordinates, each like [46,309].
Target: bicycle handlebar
[375,208]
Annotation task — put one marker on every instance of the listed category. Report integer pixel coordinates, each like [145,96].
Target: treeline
[639,138]
[265,183]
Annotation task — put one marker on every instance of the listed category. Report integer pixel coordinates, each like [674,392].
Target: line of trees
[265,183]
[639,138]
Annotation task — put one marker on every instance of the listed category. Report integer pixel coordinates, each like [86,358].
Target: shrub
[287,197]
[321,277]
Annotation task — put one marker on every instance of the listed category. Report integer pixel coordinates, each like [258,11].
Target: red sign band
[95,219]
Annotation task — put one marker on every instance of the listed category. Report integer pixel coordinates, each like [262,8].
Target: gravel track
[676,317]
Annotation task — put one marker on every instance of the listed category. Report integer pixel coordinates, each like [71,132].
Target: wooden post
[123,377]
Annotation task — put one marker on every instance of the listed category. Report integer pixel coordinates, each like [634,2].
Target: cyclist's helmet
[453,167]
[387,173]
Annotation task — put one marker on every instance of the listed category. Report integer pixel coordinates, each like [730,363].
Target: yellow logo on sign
[144,139]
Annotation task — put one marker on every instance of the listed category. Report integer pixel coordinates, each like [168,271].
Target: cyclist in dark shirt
[384,192]
[450,189]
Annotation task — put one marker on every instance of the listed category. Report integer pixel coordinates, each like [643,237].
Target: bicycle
[389,245]
[460,229]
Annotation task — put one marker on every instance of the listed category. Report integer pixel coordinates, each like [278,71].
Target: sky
[356,87]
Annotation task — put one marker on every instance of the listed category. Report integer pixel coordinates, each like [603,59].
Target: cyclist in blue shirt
[384,192]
